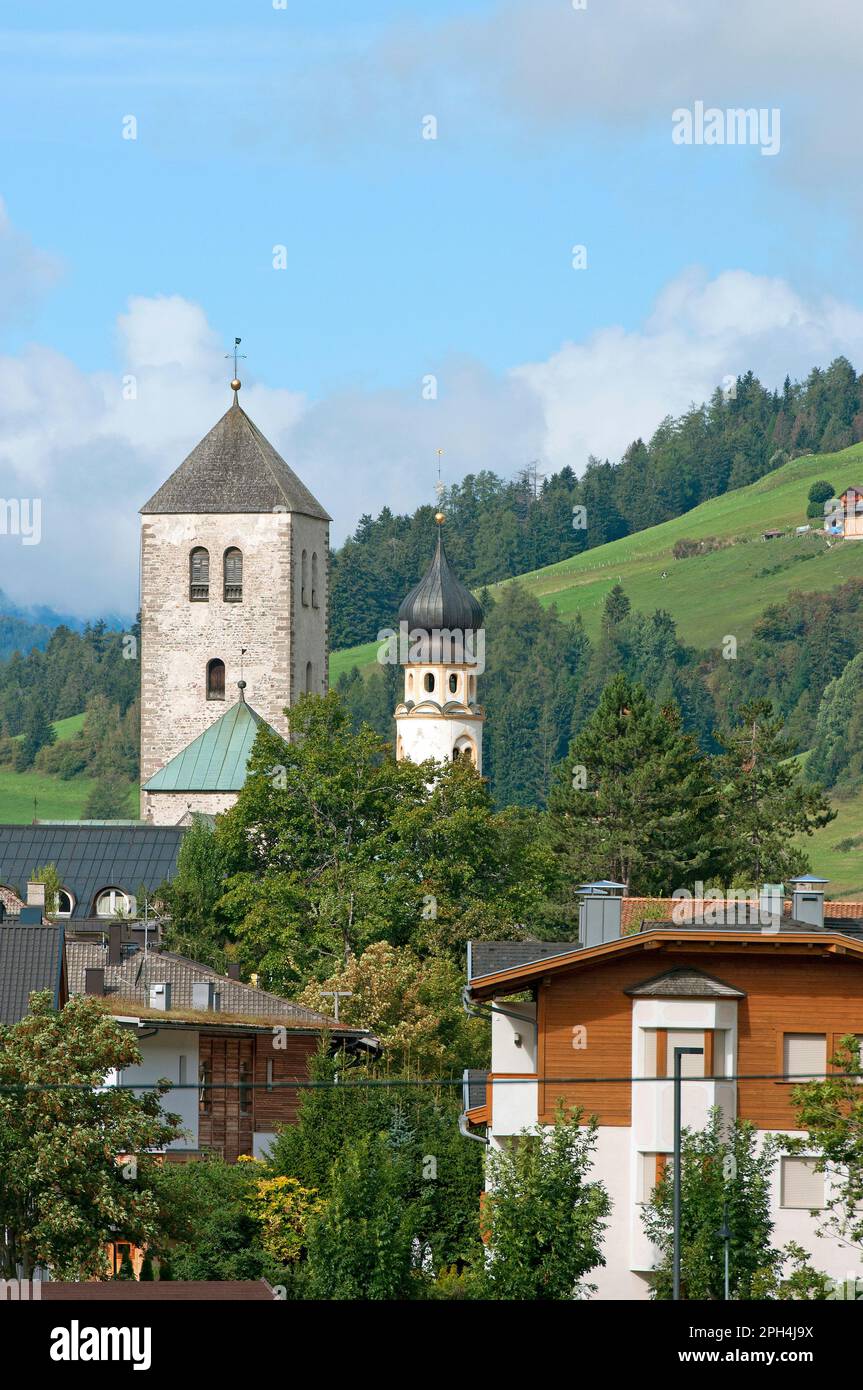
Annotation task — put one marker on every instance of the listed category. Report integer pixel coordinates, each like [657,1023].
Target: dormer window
[215,679]
[233,575]
[199,575]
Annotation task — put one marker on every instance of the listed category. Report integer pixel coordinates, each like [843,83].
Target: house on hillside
[766,1004]
[844,514]
[234,1052]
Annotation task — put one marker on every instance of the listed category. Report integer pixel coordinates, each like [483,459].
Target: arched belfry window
[315,579]
[215,679]
[304,580]
[233,575]
[199,575]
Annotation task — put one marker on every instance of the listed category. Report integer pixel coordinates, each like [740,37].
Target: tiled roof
[635,909]
[10,900]
[89,858]
[216,761]
[845,927]
[488,957]
[234,469]
[130,982]
[685,983]
[31,958]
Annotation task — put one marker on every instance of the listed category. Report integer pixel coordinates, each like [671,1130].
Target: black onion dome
[440,600]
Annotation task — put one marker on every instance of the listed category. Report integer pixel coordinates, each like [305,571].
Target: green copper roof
[217,759]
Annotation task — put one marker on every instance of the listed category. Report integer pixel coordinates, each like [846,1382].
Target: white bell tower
[443,643]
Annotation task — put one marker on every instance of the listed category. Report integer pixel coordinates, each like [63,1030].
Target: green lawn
[843,867]
[55,799]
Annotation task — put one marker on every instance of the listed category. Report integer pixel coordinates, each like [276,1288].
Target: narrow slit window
[233,575]
[199,575]
[216,679]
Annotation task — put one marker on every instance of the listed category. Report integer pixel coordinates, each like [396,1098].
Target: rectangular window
[691,1064]
[270,1074]
[804,1056]
[182,1072]
[205,1096]
[802,1186]
[245,1089]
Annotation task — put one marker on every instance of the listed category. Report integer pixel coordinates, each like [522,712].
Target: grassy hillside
[709,595]
[724,591]
[54,798]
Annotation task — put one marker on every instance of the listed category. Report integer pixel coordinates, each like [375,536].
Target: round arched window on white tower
[464,752]
[453,683]
[428,681]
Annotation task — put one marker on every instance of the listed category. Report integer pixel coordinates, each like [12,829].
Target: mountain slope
[709,595]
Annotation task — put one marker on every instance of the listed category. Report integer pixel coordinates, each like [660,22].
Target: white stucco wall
[161,1055]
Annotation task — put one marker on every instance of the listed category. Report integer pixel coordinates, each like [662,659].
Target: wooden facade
[790,985]
[228,1114]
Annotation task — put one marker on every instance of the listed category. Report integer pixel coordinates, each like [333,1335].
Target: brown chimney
[94,980]
[115,938]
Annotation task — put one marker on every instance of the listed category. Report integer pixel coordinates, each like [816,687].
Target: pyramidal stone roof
[234,469]
[440,600]
[217,760]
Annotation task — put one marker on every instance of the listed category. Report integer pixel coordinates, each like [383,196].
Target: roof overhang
[826,943]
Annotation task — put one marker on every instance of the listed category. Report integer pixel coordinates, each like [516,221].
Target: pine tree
[764,803]
[634,801]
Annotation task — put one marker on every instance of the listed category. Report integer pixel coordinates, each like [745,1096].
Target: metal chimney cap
[810,880]
[600,886]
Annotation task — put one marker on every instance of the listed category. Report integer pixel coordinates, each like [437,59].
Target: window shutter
[805,1056]
[802,1186]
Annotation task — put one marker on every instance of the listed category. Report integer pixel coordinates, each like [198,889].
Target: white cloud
[26,273]
[93,458]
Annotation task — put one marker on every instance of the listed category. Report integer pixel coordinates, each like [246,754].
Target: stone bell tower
[442,638]
[234,586]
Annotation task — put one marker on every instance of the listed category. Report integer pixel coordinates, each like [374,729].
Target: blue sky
[302,127]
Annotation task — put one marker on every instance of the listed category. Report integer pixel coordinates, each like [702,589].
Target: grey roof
[488,957]
[440,600]
[130,982]
[89,858]
[31,958]
[686,983]
[234,469]
[843,926]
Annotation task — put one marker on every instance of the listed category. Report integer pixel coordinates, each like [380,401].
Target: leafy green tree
[832,1113]
[412,1005]
[439,1174]
[634,800]
[818,494]
[63,1194]
[190,898]
[764,803]
[209,1226]
[359,1246]
[836,759]
[723,1174]
[48,875]
[543,1217]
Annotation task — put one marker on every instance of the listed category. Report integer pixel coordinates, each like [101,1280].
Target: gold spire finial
[439,518]
[236,383]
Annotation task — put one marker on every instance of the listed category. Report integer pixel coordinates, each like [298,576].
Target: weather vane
[235,384]
[439,490]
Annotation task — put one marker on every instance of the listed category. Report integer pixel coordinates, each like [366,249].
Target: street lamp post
[678,1053]
[724,1234]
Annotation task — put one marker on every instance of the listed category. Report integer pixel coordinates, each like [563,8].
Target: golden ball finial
[439,518]
[236,384]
